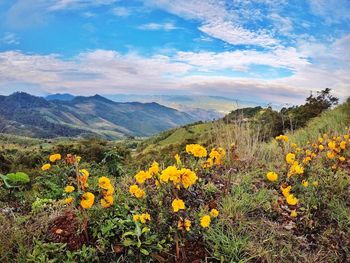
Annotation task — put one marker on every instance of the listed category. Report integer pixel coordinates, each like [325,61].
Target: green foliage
[15,179]
[57,252]
[40,204]
[115,227]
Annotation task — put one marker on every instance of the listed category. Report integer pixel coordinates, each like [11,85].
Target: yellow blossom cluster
[282,138]
[87,200]
[143,218]
[196,150]
[136,191]
[206,219]
[179,177]
[107,191]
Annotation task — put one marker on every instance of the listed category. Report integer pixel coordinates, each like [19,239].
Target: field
[206,192]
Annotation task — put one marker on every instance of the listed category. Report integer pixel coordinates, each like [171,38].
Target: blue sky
[264,50]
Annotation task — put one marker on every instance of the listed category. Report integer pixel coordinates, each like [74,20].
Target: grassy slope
[250,229]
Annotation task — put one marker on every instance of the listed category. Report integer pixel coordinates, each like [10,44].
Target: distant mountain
[24,114]
[58,96]
[199,106]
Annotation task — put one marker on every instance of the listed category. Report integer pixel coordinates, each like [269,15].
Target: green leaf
[5,180]
[18,178]
[145,230]
[144,251]
[128,242]
[129,233]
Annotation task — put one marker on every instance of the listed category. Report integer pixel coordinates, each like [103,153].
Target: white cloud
[168,26]
[333,11]
[236,35]
[216,20]
[121,11]
[108,72]
[10,39]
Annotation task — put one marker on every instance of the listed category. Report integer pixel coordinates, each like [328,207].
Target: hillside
[284,199]
[27,115]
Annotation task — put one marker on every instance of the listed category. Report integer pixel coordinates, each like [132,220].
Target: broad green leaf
[18,178]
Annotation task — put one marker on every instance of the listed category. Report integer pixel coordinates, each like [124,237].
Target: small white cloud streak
[10,39]
[168,26]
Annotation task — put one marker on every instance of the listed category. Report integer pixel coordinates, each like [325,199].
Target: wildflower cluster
[175,185]
[77,187]
[298,161]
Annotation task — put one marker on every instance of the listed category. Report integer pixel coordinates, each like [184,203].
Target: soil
[67,229]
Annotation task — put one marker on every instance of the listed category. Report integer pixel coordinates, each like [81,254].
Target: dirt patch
[68,229]
[191,252]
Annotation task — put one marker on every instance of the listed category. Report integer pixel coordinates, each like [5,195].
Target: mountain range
[67,115]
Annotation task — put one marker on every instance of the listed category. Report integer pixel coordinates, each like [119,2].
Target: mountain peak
[24,100]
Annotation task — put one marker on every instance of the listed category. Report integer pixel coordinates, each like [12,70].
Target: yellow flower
[68,200]
[171,172]
[291,199]
[208,163]
[142,176]
[290,158]
[136,218]
[282,138]
[272,176]
[133,188]
[139,193]
[305,183]
[332,145]
[307,159]
[196,150]
[315,183]
[145,217]
[342,158]
[286,190]
[321,147]
[330,154]
[216,155]
[108,191]
[69,189]
[188,177]
[154,169]
[184,224]
[55,157]
[342,145]
[104,182]
[346,136]
[320,140]
[46,167]
[177,205]
[136,191]
[293,213]
[107,201]
[214,213]
[87,200]
[205,221]
[295,169]
[293,145]
[84,172]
